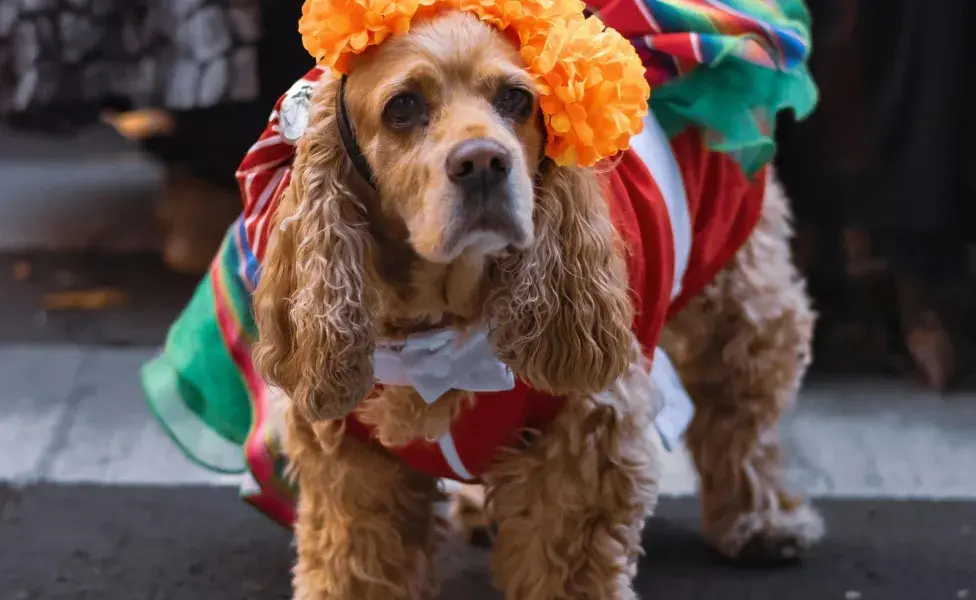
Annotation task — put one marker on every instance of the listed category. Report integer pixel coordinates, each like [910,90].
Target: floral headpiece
[593,91]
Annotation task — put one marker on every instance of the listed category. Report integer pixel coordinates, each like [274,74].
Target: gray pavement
[200,543]
[152,297]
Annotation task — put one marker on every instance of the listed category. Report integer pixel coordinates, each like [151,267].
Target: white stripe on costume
[268,141]
[655,26]
[259,215]
[654,149]
[269,189]
[450,452]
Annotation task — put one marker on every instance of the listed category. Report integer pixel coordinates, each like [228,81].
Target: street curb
[92,192]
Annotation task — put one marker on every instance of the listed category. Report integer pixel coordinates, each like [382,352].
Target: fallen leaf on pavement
[140,124]
[95,299]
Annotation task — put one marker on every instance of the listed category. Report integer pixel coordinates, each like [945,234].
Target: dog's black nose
[478,165]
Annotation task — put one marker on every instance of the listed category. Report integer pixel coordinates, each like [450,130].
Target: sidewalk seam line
[66,421]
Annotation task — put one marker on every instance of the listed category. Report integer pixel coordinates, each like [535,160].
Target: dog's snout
[479,164]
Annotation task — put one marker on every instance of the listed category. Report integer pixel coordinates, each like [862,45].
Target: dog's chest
[478,432]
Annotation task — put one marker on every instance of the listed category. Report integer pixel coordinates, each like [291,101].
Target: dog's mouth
[487,225]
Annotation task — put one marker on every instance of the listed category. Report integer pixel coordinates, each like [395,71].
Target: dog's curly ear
[563,314]
[313,305]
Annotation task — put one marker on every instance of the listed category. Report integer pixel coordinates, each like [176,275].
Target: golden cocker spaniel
[421,201]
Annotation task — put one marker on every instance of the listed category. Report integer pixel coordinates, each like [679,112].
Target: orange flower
[527,17]
[594,94]
[333,30]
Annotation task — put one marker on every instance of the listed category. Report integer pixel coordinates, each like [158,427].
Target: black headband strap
[348,137]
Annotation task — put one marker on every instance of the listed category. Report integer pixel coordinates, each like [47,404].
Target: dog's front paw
[771,538]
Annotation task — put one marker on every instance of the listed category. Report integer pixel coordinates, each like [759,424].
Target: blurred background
[121,125]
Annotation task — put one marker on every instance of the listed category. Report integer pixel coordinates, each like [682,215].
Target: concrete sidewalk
[75,414]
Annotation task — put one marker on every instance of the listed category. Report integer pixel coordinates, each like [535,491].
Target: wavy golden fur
[314,306]
[562,310]
[537,257]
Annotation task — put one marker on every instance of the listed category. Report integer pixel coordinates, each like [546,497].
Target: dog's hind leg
[367,524]
[742,348]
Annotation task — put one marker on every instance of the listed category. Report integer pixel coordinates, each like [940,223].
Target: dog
[420,205]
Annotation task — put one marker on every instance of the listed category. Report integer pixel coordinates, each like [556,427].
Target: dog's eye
[514,103]
[404,110]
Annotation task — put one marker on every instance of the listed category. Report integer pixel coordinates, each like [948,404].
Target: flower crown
[593,91]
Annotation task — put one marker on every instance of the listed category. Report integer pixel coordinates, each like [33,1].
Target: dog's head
[448,122]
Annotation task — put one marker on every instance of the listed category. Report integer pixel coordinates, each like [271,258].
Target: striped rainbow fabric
[726,67]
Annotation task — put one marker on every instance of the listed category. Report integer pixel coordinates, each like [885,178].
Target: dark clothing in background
[890,149]
[212,141]
[216,65]
[59,61]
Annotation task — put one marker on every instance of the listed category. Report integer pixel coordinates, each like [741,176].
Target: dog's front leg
[366,523]
[571,505]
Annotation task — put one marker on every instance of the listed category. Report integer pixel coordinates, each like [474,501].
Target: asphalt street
[196,543]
